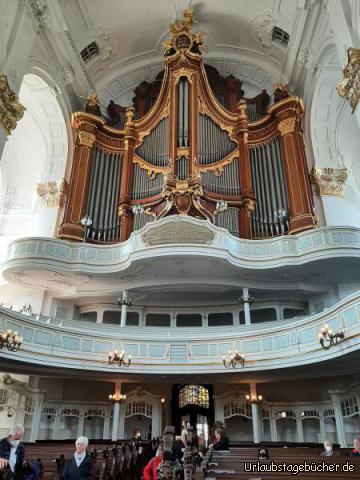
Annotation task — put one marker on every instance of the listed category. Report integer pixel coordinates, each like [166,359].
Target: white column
[100,316]
[20,414]
[124,308]
[106,430]
[255,414]
[338,418]
[121,433]
[219,409]
[115,426]
[56,425]
[116,416]
[35,423]
[273,428]
[156,419]
[299,428]
[246,306]
[322,428]
[80,429]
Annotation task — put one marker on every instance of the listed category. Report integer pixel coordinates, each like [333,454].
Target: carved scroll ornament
[11,110]
[349,86]
[329,181]
[52,194]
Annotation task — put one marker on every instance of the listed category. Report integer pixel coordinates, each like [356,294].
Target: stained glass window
[194,395]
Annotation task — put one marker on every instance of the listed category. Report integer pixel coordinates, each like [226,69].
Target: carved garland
[11,110]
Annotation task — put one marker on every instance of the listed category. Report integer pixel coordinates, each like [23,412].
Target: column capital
[287,126]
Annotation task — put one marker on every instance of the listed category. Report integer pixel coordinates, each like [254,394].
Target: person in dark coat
[78,466]
[12,452]
[221,440]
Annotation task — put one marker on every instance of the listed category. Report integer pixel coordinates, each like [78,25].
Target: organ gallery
[191,148]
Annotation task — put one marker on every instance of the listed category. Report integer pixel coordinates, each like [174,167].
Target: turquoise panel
[200,350]
[104,255]
[50,249]
[261,250]
[212,349]
[308,335]
[131,349]
[247,250]
[317,239]
[143,350]
[27,334]
[13,326]
[20,248]
[74,253]
[252,346]
[102,347]
[71,343]
[350,316]
[224,348]
[31,247]
[266,344]
[57,340]
[62,251]
[91,254]
[43,338]
[86,345]
[157,350]
[304,243]
[281,341]
[350,237]
[337,237]
[275,249]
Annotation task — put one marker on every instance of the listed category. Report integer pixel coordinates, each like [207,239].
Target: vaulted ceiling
[130,34]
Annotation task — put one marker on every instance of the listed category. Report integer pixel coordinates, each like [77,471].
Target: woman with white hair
[78,467]
[12,452]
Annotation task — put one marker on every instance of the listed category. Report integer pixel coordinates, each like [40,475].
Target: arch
[36,152]
[332,135]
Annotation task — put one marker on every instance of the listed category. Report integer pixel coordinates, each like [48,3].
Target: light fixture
[221,206]
[116,357]
[122,301]
[234,359]
[327,335]
[137,209]
[86,222]
[254,399]
[117,397]
[283,414]
[249,299]
[12,341]
[163,401]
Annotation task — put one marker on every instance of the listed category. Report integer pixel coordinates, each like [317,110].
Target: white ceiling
[130,36]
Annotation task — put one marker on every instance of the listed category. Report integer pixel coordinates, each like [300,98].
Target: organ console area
[192,144]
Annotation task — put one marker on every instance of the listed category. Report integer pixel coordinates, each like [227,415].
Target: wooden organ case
[190,155]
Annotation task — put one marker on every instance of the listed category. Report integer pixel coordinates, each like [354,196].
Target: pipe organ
[199,148]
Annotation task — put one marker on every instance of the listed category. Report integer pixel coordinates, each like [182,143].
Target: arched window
[194,395]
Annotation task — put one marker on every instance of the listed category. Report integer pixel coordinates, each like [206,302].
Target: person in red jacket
[150,471]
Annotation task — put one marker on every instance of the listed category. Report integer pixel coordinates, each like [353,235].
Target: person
[78,466]
[12,452]
[31,470]
[329,452]
[221,440]
[355,452]
[263,453]
[150,471]
[41,467]
[60,465]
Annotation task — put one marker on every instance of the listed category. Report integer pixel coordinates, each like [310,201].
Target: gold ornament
[11,110]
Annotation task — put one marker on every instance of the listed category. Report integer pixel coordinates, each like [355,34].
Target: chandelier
[254,399]
[117,397]
[328,338]
[116,357]
[234,359]
[12,341]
